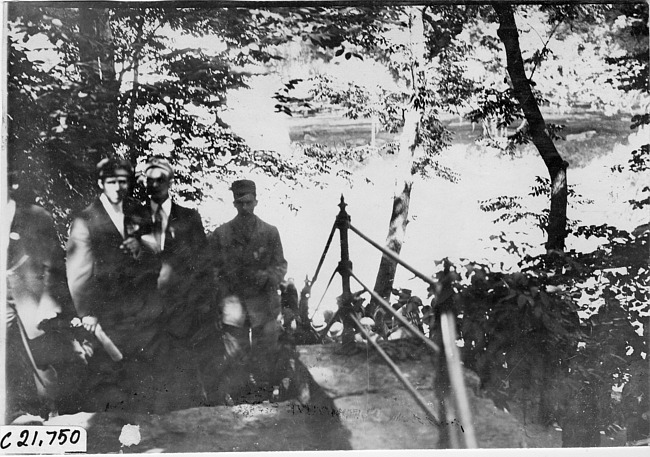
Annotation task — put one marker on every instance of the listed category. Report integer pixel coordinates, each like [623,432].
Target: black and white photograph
[252,226]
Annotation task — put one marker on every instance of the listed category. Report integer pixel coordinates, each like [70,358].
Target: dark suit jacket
[184,238]
[252,270]
[108,283]
[185,282]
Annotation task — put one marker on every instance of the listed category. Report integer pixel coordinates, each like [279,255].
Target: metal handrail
[452,358]
[397,315]
[448,329]
[393,256]
[446,320]
[322,257]
[416,395]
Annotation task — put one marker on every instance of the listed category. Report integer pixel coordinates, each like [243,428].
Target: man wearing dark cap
[112,280]
[249,267]
[184,283]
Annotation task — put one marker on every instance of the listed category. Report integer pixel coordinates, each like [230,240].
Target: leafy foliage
[52,113]
[512,211]
[443,88]
[630,24]
[516,330]
[496,106]
[565,321]
[87,110]
[639,161]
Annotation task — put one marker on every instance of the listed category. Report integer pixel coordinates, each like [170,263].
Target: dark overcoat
[251,270]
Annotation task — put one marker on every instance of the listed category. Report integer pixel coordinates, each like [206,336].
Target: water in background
[445,218]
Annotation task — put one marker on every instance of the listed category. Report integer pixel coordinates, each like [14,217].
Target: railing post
[303,304]
[345,267]
[454,402]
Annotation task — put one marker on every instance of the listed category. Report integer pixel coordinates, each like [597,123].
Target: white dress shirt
[115,212]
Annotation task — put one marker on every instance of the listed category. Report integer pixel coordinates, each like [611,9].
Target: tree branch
[546,45]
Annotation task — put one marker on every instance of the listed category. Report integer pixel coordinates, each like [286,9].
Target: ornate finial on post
[342,204]
[345,268]
[343,218]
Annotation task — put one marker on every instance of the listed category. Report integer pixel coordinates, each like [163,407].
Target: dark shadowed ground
[246,427]
[355,402]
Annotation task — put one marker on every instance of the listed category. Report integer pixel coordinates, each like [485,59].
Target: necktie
[157,226]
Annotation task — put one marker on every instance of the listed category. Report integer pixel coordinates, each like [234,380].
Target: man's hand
[131,246]
[90,323]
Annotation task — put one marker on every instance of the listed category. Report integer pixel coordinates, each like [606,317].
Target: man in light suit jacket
[249,266]
[184,283]
[112,280]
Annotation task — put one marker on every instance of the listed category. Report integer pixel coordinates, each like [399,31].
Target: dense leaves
[118,85]
[630,21]
[510,209]
[86,109]
[563,325]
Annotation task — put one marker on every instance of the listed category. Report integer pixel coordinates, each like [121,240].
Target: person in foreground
[187,335]
[249,266]
[112,280]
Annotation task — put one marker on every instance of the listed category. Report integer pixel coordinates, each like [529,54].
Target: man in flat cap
[185,280]
[112,280]
[249,267]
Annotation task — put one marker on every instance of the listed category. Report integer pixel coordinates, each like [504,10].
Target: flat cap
[243,187]
[161,163]
[108,167]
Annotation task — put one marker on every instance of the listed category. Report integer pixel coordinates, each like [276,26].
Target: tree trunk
[97,67]
[556,226]
[132,137]
[396,231]
[404,176]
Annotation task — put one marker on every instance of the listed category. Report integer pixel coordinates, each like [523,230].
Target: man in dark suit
[249,266]
[184,283]
[112,280]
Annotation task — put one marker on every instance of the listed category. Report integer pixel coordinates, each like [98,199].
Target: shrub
[559,334]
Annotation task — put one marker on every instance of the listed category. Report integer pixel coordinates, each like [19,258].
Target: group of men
[176,318]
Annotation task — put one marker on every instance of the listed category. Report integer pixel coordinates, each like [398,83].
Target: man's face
[157,185]
[246,205]
[115,187]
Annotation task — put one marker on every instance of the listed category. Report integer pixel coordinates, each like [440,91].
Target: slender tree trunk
[556,227]
[404,176]
[97,67]
[133,150]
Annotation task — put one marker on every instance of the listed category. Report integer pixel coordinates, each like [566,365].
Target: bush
[559,334]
